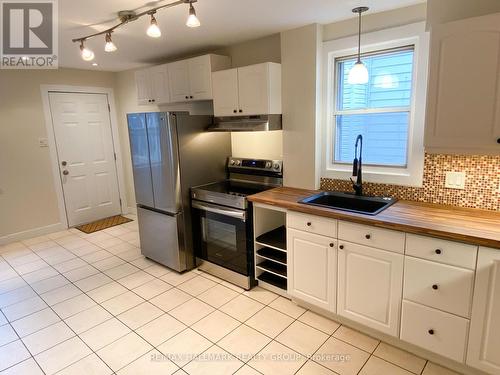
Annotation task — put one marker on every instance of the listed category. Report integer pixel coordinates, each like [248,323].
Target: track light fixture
[192,20]
[358,75]
[86,53]
[130,16]
[153,29]
[109,46]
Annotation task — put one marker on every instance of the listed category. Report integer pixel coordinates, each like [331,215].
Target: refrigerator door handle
[237,214]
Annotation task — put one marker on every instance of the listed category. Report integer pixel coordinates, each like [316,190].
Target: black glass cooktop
[238,188]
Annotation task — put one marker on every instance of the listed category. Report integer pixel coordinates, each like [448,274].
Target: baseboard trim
[132,210]
[30,233]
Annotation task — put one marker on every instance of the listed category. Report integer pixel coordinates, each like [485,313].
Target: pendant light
[109,46]
[86,53]
[192,20]
[153,29]
[358,74]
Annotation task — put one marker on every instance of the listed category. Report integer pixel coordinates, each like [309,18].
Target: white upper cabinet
[159,84]
[178,73]
[200,78]
[180,81]
[250,90]
[370,284]
[463,100]
[191,79]
[484,337]
[312,268]
[225,90]
[143,84]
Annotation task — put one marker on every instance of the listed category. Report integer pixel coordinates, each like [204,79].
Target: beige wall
[27,192]
[376,21]
[299,63]
[441,11]
[254,51]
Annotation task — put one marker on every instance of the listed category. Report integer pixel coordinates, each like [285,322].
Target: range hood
[246,123]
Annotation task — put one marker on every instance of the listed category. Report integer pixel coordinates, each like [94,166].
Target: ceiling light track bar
[131,16]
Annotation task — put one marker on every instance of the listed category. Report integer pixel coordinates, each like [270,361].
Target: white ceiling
[223,22]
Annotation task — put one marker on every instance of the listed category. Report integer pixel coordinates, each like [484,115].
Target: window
[389,110]
[378,110]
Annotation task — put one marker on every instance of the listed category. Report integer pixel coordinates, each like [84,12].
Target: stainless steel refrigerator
[171,152]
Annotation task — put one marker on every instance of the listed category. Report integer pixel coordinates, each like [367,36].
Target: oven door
[221,236]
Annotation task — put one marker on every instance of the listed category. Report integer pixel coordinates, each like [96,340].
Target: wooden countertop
[479,227]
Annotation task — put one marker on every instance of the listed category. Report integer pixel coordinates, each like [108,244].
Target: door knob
[498,140]
[64,163]
[65,172]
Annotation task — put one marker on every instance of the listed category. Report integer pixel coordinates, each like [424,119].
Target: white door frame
[46,90]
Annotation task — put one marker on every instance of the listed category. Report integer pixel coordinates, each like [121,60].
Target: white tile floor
[72,303]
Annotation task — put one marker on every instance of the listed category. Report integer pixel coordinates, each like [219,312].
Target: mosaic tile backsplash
[481,185]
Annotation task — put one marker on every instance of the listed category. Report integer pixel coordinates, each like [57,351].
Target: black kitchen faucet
[357,167]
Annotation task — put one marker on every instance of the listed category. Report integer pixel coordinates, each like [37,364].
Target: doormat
[98,225]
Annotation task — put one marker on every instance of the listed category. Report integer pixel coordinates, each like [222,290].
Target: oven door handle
[237,214]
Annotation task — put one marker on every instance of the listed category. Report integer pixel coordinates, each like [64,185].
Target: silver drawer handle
[218,210]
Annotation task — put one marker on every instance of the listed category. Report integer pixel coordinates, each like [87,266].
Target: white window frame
[413,34]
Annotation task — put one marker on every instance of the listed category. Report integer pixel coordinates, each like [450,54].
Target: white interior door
[84,141]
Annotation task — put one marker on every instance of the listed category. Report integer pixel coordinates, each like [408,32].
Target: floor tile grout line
[176,286]
[34,357]
[62,320]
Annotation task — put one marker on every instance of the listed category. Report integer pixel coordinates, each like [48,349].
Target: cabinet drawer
[434,330]
[371,236]
[313,224]
[438,285]
[442,251]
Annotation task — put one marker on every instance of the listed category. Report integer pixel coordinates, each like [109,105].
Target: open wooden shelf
[272,254]
[273,267]
[275,239]
[272,279]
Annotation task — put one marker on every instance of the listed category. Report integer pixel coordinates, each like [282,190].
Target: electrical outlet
[455,180]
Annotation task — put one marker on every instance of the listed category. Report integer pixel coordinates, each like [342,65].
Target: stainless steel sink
[349,202]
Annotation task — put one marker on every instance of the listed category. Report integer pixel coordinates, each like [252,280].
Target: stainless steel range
[222,219]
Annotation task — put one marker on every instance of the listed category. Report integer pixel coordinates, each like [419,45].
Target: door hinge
[114,154]
[109,108]
[120,202]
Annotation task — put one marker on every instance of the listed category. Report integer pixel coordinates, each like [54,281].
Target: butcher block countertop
[479,227]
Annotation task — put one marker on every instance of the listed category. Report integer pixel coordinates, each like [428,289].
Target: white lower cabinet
[312,268]
[370,283]
[484,338]
[359,276]
[434,330]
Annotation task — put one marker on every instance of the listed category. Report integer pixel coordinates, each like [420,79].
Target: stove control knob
[232,162]
[238,162]
[269,165]
[276,166]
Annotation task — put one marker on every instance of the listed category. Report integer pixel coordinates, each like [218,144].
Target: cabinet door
[253,91]
[200,78]
[370,283]
[159,84]
[178,78]
[143,85]
[225,91]
[463,108]
[484,337]
[312,264]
